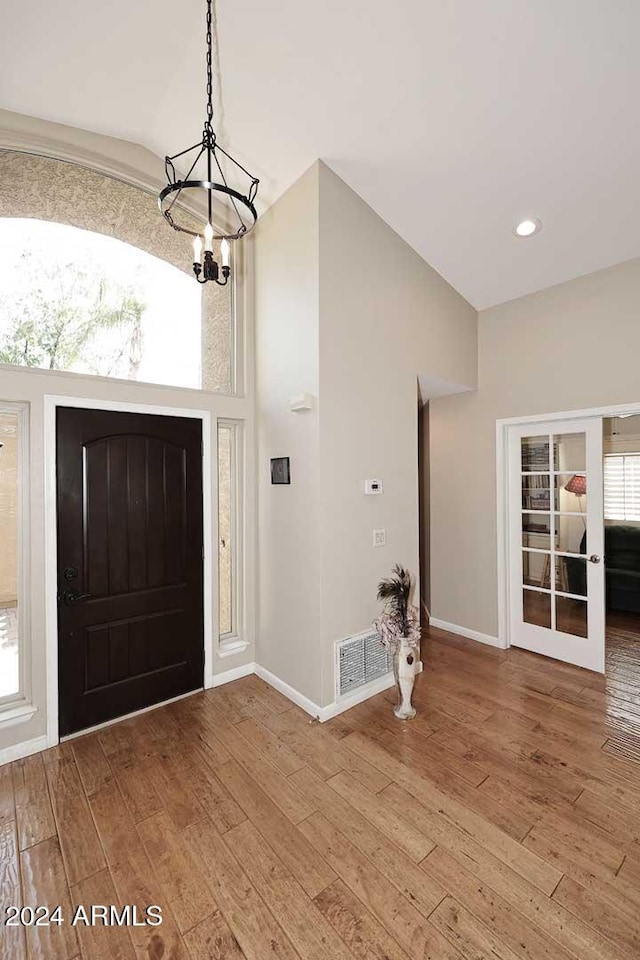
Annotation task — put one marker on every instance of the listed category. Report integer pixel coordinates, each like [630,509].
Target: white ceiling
[453,119]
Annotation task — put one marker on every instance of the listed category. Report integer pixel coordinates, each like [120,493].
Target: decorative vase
[404,665]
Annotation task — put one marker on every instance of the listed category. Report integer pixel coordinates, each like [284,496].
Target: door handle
[594,558]
[71,596]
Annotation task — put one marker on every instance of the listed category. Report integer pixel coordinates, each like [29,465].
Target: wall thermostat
[372,487]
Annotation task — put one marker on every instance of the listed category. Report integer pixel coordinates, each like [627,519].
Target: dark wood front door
[130,568]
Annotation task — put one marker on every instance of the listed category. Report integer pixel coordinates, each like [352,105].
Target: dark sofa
[622,568]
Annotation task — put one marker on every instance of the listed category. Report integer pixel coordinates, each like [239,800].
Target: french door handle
[594,558]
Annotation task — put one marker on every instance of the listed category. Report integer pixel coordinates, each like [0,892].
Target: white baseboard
[219,679]
[332,709]
[465,632]
[358,696]
[20,750]
[289,692]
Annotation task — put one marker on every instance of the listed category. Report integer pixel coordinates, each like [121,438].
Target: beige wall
[8,509]
[570,347]
[386,317]
[347,311]
[287,338]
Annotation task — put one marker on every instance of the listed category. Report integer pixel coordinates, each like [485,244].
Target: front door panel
[130,591]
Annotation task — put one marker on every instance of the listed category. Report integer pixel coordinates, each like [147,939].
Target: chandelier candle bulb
[197,249]
[225,252]
[208,238]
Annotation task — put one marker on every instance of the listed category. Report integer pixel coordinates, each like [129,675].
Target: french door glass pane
[571,534]
[571,492]
[536,491]
[570,452]
[535,453]
[9,547]
[571,616]
[536,608]
[571,575]
[536,530]
[536,569]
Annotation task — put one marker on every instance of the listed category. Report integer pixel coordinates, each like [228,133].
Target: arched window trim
[28,176]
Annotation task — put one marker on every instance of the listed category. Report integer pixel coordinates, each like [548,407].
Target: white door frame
[51,404]
[502,479]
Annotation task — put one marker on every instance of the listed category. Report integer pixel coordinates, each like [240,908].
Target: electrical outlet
[379,538]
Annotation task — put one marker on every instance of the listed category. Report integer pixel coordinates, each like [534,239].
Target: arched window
[85,303]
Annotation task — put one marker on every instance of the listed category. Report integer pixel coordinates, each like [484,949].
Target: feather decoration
[395,592]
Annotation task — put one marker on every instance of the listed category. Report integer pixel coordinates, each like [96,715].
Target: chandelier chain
[233,201]
[209,68]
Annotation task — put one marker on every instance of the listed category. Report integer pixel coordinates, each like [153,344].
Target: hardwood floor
[502,823]
[623,684]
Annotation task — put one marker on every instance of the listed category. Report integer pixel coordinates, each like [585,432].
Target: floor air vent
[360,660]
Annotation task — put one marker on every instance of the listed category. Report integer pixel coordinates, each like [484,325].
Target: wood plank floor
[504,822]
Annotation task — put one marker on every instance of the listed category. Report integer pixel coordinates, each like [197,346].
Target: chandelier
[234,214]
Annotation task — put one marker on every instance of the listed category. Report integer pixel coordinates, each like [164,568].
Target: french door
[556,540]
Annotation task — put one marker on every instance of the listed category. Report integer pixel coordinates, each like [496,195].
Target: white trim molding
[363,693]
[13,713]
[228,676]
[231,646]
[288,691]
[20,750]
[467,633]
[117,159]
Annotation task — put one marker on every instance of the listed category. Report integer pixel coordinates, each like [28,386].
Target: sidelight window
[229,529]
[14,485]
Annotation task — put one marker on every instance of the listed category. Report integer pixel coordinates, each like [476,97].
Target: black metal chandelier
[235,213]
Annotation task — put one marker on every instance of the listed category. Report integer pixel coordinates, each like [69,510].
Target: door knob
[71,596]
[594,558]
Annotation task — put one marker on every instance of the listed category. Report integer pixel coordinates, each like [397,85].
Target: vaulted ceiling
[453,119]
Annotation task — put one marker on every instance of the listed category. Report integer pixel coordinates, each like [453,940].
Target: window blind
[622,486]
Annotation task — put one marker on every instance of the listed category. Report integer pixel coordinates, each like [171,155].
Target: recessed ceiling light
[527,228]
